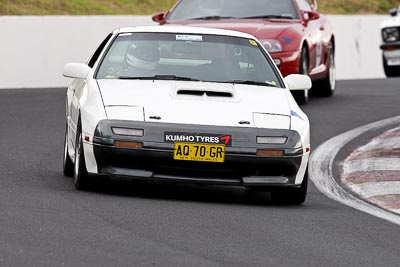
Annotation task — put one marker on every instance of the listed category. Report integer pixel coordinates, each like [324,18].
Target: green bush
[356,6]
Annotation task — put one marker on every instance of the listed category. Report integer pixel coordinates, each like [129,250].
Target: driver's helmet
[143,55]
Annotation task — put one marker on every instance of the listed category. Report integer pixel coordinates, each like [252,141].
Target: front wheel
[81,177]
[301,96]
[292,196]
[329,82]
[68,165]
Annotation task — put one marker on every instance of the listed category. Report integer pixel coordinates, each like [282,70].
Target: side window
[118,51]
[96,54]
[254,69]
[304,5]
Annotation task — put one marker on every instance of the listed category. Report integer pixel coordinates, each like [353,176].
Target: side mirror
[159,17]
[76,70]
[298,82]
[310,15]
[393,12]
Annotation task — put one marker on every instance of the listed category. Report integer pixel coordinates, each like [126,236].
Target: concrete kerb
[321,170]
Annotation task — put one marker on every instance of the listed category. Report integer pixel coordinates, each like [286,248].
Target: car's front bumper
[391,53]
[241,166]
[287,62]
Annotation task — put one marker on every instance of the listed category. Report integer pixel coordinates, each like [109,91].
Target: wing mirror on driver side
[310,15]
[298,82]
[393,12]
[159,17]
[76,70]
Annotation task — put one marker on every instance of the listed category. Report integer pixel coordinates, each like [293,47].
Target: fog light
[128,144]
[271,139]
[128,131]
[270,153]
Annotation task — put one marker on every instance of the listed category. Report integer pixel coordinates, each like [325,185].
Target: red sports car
[299,39]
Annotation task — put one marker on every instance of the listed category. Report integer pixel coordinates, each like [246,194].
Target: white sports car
[391,43]
[185,104]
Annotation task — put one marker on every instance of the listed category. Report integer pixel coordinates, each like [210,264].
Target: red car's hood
[261,28]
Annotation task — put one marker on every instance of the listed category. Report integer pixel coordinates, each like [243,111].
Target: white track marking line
[396,211]
[372,189]
[320,170]
[372,164]
[390,143]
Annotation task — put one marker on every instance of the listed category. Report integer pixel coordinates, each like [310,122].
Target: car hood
[392,22]
[196,103]
[261,28]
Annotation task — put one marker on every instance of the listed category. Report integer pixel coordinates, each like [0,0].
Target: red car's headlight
[272,45]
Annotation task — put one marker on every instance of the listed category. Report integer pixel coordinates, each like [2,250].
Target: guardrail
[34,49]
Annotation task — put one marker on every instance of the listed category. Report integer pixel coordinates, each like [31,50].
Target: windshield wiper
[212,17]
[269,17]
[159,77]
[251,83]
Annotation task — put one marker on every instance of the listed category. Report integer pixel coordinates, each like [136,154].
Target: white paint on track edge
[373,189]
[321,174]
[396,211]
[372,164]
[378,144]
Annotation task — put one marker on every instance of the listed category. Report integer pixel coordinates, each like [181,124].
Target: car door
[74,109]
[71,123]
[314,34]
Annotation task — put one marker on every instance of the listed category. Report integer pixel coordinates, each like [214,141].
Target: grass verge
[147,7]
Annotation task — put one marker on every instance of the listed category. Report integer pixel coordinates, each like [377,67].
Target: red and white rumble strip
[373,171]
[322,162]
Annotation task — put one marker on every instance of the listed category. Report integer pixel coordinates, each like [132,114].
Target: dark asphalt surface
[44,221]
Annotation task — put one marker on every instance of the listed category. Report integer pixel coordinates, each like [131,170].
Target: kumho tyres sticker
[252,42]
[193,38]
[172,137]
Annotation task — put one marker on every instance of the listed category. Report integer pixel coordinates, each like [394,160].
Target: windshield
[189,57]
[198,9]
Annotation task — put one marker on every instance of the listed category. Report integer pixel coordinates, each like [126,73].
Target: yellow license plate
[199,152]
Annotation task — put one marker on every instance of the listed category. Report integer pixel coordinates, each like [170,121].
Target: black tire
[301,97]
[291,196]
[68,165]
[390,71]
[328,84]
[81,177]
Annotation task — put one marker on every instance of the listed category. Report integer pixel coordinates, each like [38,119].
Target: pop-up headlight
[127,131]
[272,45]
[390,34]
[279,140]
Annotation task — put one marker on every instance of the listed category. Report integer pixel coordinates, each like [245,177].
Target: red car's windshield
[209,9]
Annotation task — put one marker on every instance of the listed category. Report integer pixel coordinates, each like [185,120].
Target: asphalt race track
[44,221]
